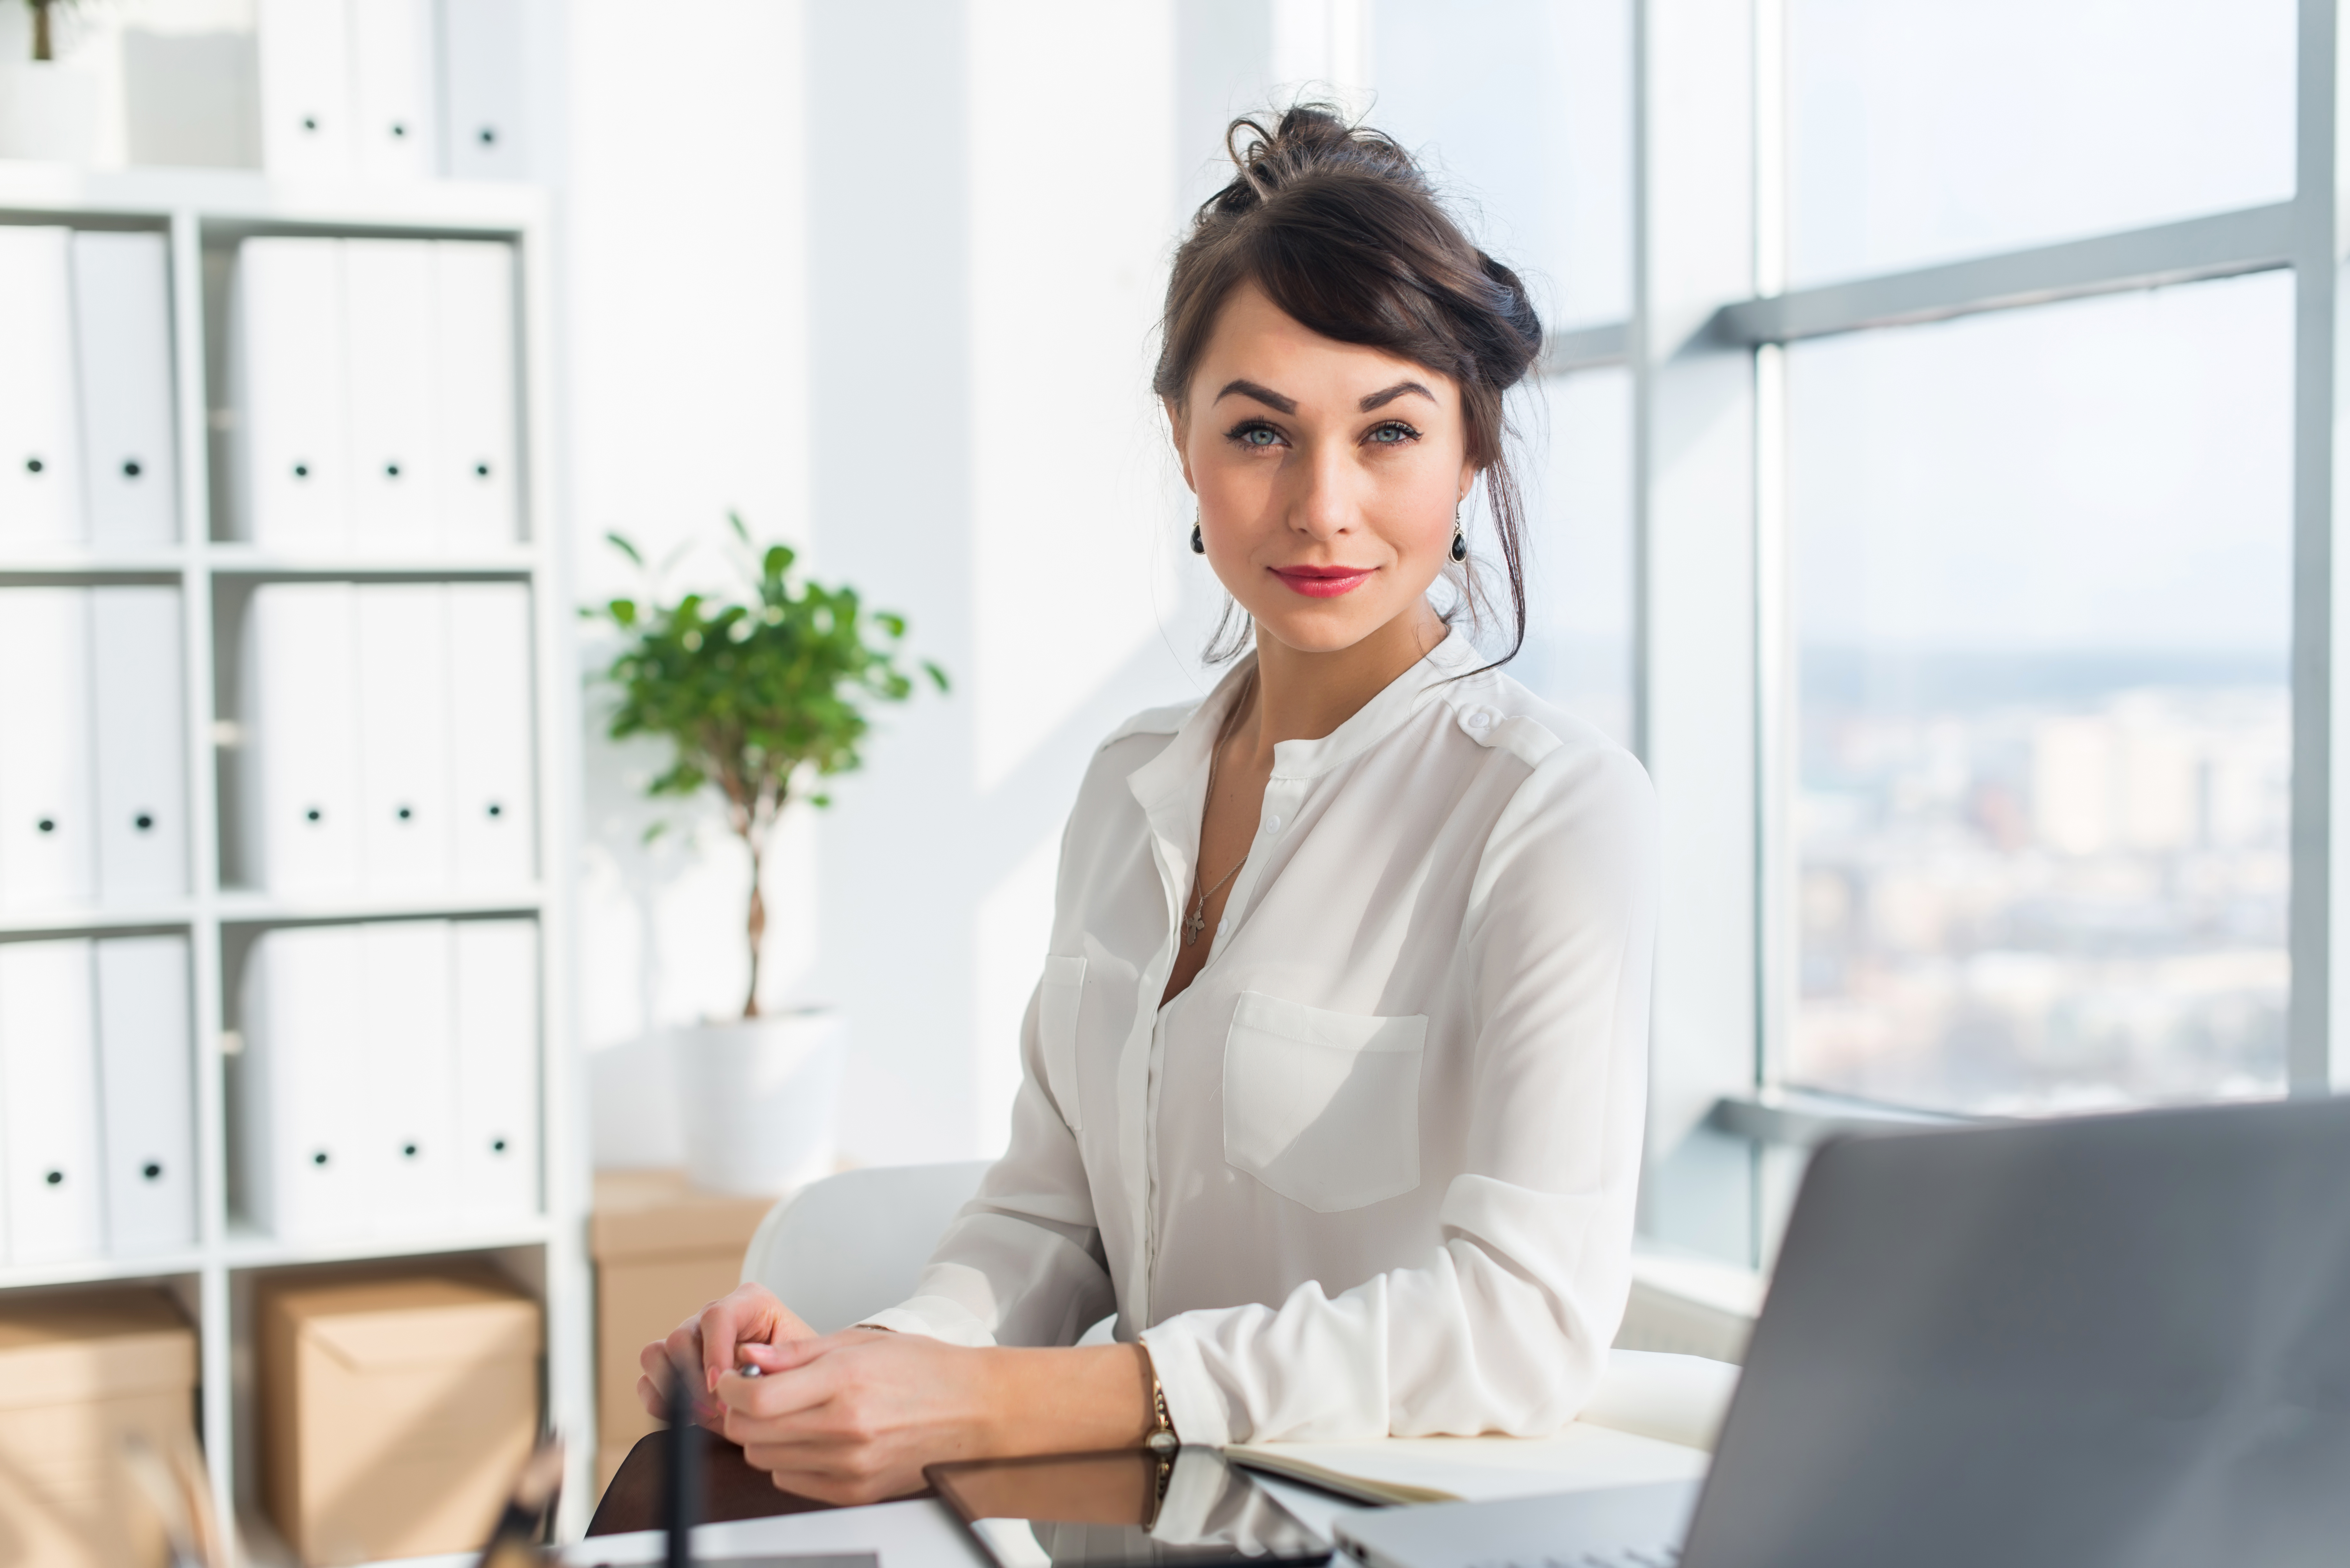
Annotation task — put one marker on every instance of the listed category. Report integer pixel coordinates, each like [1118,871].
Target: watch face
[1124,1510]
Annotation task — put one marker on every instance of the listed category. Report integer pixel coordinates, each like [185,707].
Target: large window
[2043,575]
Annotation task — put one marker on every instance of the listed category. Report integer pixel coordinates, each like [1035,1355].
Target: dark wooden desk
[731,1488]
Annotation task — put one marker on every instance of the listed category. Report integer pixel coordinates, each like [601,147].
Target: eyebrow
[1381,399]
[1265,395]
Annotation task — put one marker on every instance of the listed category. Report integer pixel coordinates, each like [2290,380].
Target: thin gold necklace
[1197,922]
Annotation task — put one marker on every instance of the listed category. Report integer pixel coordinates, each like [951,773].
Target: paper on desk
[1477,1470]
[918,1534]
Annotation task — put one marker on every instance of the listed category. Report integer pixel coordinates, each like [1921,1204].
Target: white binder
[40,457]
[388,299]
[305,89]
[289,389]
[477,492]
[483,65]
[122,347]
[405,835]
[490,735]
[48,1103]
[142,752]
[396,127]
[301,1085]
[146,1079]
[299,774]
[49,827]
[408,1125]
[497,1068]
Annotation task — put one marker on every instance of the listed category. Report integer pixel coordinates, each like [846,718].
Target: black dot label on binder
[301,471]
[319,1157]
[33,465]
[481,470]
[130,469]
[392,470]
[404,814]
[152,1171]
[497,1146]
[314,814]
[55,1179]
[489,135]
[143,821]
[47,824]
[407,1151]
[309,122]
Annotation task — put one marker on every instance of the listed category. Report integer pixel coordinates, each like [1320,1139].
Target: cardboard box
[78,1372]
[663,1247]
[397,1410]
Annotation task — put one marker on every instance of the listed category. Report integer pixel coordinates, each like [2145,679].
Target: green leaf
[735,520]
[937,677]
[777,562]
[625,548]
[895,625]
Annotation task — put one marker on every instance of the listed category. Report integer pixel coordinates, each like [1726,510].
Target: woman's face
[1328,474]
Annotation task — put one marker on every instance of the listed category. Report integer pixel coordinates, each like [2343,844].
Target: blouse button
[1272,823]
[1479,718]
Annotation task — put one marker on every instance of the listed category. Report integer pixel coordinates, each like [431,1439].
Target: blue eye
[1393,433]
[1257,435]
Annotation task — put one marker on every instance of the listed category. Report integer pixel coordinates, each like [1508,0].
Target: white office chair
[840,1250]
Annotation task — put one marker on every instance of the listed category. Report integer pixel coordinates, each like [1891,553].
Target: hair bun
[1309,138]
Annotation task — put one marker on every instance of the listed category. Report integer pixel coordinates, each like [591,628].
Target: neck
[1303,696]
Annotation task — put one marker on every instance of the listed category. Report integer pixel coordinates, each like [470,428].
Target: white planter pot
[51,111]
[759,1100]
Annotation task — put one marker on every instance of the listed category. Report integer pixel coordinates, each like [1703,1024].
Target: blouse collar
[1171,788]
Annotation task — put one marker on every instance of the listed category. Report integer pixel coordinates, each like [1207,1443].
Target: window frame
[1713,663]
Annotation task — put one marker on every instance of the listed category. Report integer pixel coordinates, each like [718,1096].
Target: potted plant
[760,696]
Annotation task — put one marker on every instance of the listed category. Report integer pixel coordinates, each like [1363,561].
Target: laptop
[2115,1340]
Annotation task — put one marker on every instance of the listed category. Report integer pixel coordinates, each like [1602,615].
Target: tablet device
[1126,1508]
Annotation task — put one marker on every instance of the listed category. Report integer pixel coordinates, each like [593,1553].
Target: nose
[1325,505]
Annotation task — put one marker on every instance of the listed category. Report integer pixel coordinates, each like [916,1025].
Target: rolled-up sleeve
[1504,1327]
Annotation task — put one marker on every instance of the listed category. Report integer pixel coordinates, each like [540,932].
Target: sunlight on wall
[1072,199]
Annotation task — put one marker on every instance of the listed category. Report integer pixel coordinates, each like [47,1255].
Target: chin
[1320,630]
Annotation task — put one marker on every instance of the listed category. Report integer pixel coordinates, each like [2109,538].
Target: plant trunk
[755,928]
[43,48]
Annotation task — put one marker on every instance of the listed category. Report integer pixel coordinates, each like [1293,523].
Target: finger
[775,1397]
[746,1314]
[648,1395]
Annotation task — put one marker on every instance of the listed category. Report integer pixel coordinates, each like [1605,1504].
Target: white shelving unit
[202,212]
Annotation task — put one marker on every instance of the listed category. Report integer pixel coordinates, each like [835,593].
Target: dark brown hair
[1344,232]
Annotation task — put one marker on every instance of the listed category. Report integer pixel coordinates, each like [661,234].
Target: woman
[1334,1082]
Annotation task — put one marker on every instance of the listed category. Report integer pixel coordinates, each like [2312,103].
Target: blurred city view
[2043,886]
[2042,570]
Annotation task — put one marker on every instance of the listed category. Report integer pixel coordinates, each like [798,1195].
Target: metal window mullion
[2221,245]
[2314,1062]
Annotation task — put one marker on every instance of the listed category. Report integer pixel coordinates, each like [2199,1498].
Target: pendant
[1194,923]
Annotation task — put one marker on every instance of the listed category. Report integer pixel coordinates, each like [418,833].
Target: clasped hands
[854,1417]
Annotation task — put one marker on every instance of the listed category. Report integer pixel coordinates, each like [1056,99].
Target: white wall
[883,277]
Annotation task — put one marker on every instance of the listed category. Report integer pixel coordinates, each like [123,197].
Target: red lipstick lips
[1323,582]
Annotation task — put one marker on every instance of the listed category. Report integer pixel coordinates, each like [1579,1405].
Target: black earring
[1460,551]
[1199,545]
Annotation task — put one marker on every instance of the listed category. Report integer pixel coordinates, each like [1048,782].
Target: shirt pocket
[1322,1108]
[1057,1028]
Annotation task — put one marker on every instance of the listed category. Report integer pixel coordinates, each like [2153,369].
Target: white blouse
[1374,1171]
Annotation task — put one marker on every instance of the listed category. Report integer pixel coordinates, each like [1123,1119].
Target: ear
[1178,431]
[1469,471]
